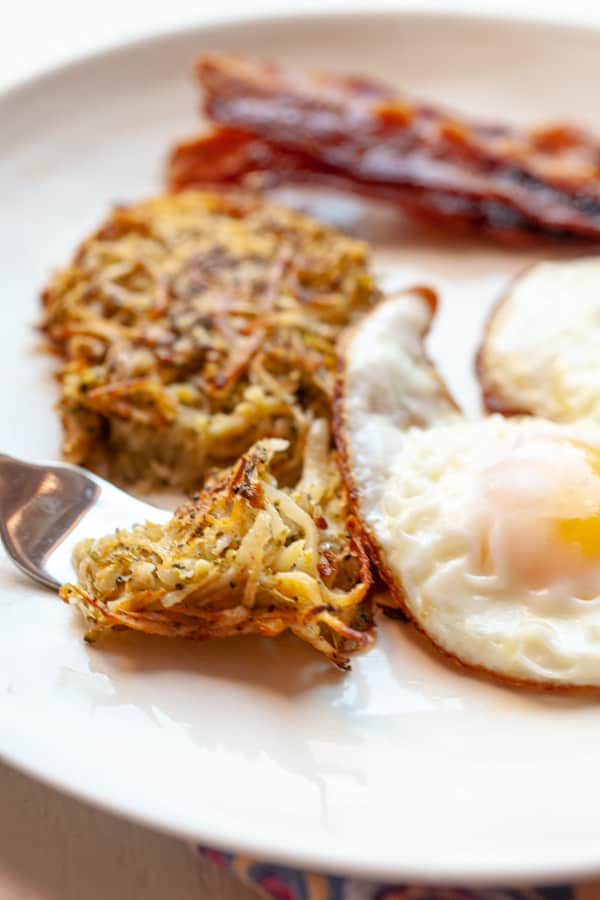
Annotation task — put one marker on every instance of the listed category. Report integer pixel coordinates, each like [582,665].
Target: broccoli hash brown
[243,556]
[192,326]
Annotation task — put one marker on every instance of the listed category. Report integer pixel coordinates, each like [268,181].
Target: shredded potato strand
[191,326]
[291,560]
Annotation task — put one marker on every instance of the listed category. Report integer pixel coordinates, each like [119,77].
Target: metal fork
[46,508]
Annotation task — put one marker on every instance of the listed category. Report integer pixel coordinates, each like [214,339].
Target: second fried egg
[540,349]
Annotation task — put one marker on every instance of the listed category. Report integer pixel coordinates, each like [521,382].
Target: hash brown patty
[192,325]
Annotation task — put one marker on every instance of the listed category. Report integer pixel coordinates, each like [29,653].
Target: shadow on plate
[282,665]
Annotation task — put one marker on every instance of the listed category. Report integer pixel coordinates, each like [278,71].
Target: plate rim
[358,9]
[549,872]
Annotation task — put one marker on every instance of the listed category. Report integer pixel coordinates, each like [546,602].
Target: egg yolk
[583,533]
[539,516]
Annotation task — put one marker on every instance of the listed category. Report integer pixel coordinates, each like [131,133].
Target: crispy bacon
[230,157]
[281,124]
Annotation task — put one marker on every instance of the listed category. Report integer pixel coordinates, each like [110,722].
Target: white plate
[405,768]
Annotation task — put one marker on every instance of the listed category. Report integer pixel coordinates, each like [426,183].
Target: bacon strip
[359,134]
[230,157]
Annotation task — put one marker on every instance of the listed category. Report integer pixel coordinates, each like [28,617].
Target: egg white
[426,527]
[417,471]
[541,347]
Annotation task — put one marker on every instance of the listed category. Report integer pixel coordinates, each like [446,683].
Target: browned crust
[491,399]
[208,623]
[395,588]
[202,326]
[339,432]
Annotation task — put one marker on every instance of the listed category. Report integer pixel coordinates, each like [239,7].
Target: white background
[38,33]
[53,847]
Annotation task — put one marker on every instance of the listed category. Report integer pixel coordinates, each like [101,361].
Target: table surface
[53,847]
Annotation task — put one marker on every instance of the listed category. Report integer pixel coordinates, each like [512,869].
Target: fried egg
[541,347]
[487,532]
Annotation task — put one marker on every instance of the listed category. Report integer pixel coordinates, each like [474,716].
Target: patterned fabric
[280,883]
